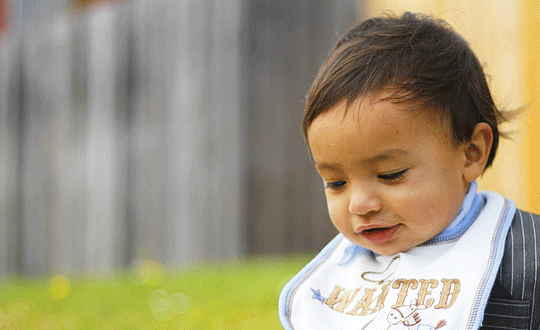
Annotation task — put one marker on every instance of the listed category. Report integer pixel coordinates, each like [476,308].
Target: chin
[389,250]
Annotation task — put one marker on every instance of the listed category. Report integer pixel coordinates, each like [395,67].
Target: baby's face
[393,178]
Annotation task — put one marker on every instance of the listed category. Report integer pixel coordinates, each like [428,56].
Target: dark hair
[418,58]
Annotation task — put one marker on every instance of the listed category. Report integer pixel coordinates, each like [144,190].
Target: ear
[477,152]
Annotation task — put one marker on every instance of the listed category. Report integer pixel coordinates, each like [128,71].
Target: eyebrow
[386,155]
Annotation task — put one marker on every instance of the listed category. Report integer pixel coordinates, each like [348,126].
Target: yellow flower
[59,287]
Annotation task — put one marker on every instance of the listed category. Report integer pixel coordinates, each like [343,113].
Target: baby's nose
[364,201]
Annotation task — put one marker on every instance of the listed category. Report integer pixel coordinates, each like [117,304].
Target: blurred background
[169,130]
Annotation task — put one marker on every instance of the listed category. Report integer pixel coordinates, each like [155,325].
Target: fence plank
[124,111]
[287,41]
[147,143]
[228,132]
[56,40]
[204,168]
[13,154]
[37,188]
[189,139]
[151,127]
[9,158]
[102,158]
[75,191]
[5,167]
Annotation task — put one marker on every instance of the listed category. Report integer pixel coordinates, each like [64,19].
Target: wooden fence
[164,130]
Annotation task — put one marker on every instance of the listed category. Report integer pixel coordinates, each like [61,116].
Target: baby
[400,123]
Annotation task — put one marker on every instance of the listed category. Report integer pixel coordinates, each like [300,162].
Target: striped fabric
[514,302]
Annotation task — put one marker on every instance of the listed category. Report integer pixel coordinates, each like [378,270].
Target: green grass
[233,295]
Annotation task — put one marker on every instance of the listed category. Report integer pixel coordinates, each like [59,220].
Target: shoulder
[288,293]
[519,271]
[521,216]
[321,257]
[524,233]
[522,249]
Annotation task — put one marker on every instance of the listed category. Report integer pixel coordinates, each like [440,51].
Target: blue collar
[471,207]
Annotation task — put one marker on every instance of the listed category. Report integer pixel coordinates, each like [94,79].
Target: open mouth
[380,235]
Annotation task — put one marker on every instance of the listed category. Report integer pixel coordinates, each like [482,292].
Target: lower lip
[380,235]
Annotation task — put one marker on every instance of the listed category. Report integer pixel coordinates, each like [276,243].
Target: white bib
[444,283]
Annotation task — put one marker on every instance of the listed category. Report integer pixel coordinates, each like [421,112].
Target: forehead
[375,127]
[376,109]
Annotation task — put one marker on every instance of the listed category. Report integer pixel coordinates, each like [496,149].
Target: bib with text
[443,284]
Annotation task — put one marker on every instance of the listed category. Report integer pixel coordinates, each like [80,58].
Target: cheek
[337,209]
[420,206]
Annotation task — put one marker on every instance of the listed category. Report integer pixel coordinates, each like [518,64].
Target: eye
[334,185]
[392,176]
